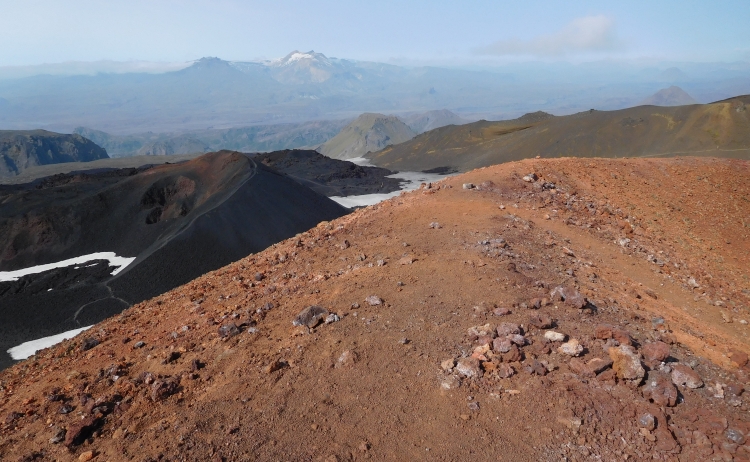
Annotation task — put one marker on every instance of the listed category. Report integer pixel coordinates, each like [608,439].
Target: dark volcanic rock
[327,176]
[80,431]
[310,316]
[180,221]
[22,149]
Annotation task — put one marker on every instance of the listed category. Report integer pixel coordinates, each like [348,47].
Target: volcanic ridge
[548,309]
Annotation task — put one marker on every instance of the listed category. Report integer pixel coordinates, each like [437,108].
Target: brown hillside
[658,247]
[719,129]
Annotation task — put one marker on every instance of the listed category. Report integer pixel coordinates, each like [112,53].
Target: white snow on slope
[114,260]
[412,180]
[27,349]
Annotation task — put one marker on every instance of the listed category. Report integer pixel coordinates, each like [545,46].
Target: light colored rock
[333,317]
[683,375]
[571,348]
[448,364]
[468,185]
[374,300]
[450,382]
[469,367]
[626,363]
[553,336]
[481,331]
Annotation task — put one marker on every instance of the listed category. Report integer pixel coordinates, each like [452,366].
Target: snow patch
[120,262]
[27,349]
[410,182]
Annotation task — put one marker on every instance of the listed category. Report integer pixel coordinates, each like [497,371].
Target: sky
[402,32]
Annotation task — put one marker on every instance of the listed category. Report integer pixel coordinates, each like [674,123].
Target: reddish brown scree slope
[455,362]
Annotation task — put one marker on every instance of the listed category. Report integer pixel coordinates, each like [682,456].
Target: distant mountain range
[258,138]
[306,86]
[21,149]
[720,129]
[672,96]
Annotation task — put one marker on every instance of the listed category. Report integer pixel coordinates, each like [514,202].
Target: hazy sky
[434,31]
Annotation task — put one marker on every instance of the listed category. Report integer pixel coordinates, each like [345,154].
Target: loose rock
[89,343]
[448,364]
[78,432]
[568,295]
[571,348]
[660,389]
[228,330]
[374,300]
[450,382]
[683,375]
[553,336]
[505,371]
[626,363]
[541,321]
[310,316]
[163,388]
[333,317]
[501,311]
[501,345]
[655,352]
[507,328]
[647,421]
[275,366]
[469,367]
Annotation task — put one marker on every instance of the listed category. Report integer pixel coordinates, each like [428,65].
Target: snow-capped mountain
[301,68]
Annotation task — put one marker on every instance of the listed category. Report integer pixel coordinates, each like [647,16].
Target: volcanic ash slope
[595,309]
[178,221]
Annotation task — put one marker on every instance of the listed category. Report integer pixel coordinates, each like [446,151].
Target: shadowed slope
[21,149]
[180,221]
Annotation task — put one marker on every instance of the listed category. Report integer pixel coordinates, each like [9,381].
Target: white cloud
[586,34]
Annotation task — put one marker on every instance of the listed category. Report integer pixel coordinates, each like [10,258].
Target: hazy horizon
[477,33]
[481,59]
